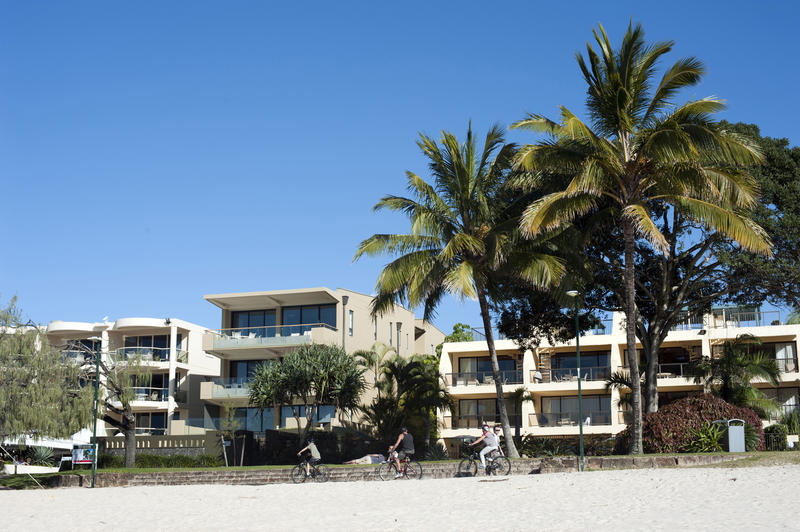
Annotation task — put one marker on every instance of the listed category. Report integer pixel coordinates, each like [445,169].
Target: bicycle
[496,464]
[409,469]
[318,472]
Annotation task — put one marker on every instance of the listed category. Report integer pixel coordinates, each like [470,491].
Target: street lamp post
[97,354]
[574,294]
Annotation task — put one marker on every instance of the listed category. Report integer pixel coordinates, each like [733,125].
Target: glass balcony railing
[148,354]
[150,431]
[588,373]
[79,356]
[146,393]
[483,377]
[570,419]
[230,387]
[273,335]
[475,422]
[673,369]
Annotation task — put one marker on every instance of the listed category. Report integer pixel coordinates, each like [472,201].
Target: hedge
[671,429]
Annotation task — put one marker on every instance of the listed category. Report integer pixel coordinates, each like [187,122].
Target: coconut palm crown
[641,150]
[463,233]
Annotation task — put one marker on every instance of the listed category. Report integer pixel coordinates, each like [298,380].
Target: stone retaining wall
[353,473]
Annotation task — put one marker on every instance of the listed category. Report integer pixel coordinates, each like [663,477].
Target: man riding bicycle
[490,441]
[405,447]
[315,456]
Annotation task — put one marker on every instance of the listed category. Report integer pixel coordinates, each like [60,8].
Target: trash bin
[734,428]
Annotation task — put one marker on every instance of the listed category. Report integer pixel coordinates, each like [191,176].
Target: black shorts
[313,461]
[401,455]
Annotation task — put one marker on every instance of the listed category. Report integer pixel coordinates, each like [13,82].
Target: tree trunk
[427,429]
[487,324]
[129,421]
[630,330]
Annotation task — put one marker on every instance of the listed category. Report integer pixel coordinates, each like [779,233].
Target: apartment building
[170,350]
[259,326]
[549,374]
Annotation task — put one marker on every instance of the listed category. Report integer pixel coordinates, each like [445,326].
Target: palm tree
[374,359]
[642,151]
[427,391]
[463,233]
[730,375]
[519,396]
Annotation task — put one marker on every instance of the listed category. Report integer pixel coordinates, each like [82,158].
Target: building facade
[261,326]
[168,350]
[549,374]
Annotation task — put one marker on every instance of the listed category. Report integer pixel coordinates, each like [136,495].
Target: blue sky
[154,152]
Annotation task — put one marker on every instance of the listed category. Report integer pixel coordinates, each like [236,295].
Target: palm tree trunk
[630,330]
[487,324]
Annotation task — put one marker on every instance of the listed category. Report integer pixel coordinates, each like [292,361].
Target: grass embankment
[762,459]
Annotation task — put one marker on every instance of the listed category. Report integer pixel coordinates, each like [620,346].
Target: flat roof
[272,298]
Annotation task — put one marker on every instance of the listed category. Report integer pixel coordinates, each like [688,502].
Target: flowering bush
[674,426]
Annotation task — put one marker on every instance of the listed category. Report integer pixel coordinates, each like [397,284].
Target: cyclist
[315,456]
[489,440]
[405,447]
[497,429]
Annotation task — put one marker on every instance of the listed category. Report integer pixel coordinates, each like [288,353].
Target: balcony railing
[744,318]
[604,328]
[150,431]
[77,355]
[673,369]
[273,335]
[147,393]
[230,387]
[786,365]
[784,410]
[148,354]
[479,334]
[588,373]
[483,377]
[570,419]
[475,422]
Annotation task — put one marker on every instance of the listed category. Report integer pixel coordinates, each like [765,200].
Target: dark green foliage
[437,452]
[41,456]
[461,333]
[706,439]
[776,436]
[672,428]
[792,421]
[157,461]
[538,446]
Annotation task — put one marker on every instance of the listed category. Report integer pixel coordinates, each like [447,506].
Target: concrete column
[173,361]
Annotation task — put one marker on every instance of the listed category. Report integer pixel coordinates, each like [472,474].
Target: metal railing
[570,419]
[479,334]
[722,318]
[483,377]
[673,369]
[148,354]
[148,393]
[475,422]
[151,431]
[588,373]
[604,328]
[270,331]
[77,355]
[783,410]
[688,322]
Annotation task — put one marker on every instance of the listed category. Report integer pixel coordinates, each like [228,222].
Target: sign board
[82,454]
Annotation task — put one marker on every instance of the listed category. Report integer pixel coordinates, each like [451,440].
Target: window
[406,340]
[254,420]
[150,347]
[594,365]
[242,370]
[350,322]
[564,410]
[258,322]
[390,333]
[306,317]
[324,414]
[154,423]
[375,330]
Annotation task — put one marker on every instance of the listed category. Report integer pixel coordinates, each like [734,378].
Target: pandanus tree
[640,151]
[464,232]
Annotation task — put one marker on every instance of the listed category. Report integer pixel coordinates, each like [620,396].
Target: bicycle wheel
[387,470]
[467,468]
[322,473]
[502,466]
[413,470]
[299,474]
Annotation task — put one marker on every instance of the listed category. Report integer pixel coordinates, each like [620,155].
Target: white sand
[661,499]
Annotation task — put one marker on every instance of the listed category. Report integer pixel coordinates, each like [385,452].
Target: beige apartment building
[549,374]
[259,326]
[170,349]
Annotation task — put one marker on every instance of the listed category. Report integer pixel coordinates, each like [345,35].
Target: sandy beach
[660,499]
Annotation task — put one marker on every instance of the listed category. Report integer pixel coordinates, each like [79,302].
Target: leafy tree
[730,375]
[308,377]
[463,235]
[642,153]
[41,393]
[461,333]
[794,317]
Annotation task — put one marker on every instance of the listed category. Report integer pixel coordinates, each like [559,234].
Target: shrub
[706,439]
[776,436]
[792,421]
[670,430]
[41,456]
[437,451]
[110,461]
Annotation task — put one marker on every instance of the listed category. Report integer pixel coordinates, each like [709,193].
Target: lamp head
[572,293]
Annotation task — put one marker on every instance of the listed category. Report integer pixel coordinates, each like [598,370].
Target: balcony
[588,373]
[146,393]
[483,377]
[673,370]
[250,340]
[78,356]
[571,418]
[225,388]
[147,354]
[475,422]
